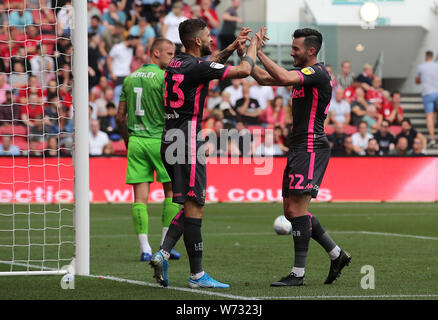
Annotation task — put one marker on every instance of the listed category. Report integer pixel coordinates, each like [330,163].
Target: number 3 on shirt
[178,78]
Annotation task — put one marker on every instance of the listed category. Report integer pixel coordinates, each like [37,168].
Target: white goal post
[17,223]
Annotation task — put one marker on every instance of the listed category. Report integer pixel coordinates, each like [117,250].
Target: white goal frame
[80,264]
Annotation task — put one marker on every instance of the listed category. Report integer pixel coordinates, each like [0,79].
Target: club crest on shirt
[308,71]
[216,65]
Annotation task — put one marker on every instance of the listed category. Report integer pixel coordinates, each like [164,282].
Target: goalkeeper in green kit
[140,120]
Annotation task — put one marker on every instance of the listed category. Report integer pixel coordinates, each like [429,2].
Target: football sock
[301,232]
[140,218]
[193,243]
[170,210]
[323,238]
[174,232]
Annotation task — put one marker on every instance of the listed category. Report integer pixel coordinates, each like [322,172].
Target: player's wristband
[250,61]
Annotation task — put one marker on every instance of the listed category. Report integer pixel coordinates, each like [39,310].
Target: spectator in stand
[95,51]
[195,12]
[230,115]
[108,123]
[279,139]
[98,91]
[372,118]
[285,93]
[339,110]
[235,91]
[210,16]
[372,148]
[366,77]
[410,134]
[96,25]
[248,108]
[268,147]
[358,107]
[31,111]
[384,138]
[10,112]
[19,76]
[119,63]
[401,148]
[345,78]
[34,148]
[392,110]
[171,23]
[135,14]
[52,149]
[37,130]
[64,19]
[110,38]
[144,31]
[97,139]
[375,93]
[4,88]
[275,114]
[427,76]
[360,138]
[230,20]
[92,12]
[43,65]
[139,59]
[113,15]
[102,103]
[417,150]
[20,17]
[350,92]
[4,19]
[263,94]
[337,139]
[7,148]
[348,148]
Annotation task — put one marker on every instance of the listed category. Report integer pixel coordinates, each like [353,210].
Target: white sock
[299,272]
[196,276]
[334,254]
[163,234]
[144,243]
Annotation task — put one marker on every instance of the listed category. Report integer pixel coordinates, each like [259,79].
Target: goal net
[39,143]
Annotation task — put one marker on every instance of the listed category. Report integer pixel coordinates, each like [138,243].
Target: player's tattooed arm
[121,121]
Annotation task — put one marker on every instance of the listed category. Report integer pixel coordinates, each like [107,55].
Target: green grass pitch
[399,240]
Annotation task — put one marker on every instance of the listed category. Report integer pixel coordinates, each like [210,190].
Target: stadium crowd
[36,110]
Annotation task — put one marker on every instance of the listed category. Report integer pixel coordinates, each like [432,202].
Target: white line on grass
[387,296]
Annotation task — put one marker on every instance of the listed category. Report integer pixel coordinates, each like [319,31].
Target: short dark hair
[429,54]
[394,92]
[407,120]
[189,29]
[362,121]
[313,38]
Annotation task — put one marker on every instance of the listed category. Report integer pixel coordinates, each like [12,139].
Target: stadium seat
[395,130]
[119,147]
[329,129]
[349,130]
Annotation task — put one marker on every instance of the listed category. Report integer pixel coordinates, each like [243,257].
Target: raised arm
[223,56]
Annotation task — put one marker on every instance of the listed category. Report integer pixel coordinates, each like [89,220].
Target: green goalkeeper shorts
[143,159]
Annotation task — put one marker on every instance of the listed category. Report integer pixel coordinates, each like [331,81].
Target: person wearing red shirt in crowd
[275,113]
[392,110]
[32,110]
[210,16]
[32,87]
[350,92]
[374,94]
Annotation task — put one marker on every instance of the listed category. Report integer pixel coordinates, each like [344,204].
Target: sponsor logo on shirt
[172,116]
[216,65]
[308,71]
[298,93]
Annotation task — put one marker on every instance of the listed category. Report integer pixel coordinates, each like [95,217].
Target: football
[282,225]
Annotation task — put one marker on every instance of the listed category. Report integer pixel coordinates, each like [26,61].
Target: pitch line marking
[230,296]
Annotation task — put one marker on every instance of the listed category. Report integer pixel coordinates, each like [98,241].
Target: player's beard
[205,50]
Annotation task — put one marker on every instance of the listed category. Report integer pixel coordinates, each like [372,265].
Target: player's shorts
[189,180]
[430,102]
[143,159]
[304,172]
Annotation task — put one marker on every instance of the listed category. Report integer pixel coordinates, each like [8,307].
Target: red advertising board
[235,179]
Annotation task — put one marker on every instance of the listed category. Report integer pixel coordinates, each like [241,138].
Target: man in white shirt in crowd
[360,138]
[235,91]
[97,139]
[340,110]
[119,62]
[263,94]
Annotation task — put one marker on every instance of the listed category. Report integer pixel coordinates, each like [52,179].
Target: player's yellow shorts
[143,159]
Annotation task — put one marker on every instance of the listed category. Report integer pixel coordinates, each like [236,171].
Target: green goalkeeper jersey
[143,92]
